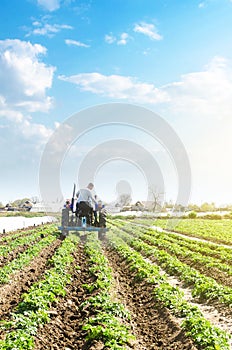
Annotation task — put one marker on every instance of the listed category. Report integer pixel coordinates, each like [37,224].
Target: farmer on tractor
[85,201]
[81,218]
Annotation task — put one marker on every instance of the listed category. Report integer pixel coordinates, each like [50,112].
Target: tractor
[77,221]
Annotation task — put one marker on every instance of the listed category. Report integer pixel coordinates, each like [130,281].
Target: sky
[172,57]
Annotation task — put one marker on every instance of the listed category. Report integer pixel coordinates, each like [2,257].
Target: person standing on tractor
[85,200]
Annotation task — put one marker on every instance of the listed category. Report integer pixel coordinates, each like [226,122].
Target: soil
[14,253]
[64,331]
[218,275]
[20,282]
[218,314]
[152,325]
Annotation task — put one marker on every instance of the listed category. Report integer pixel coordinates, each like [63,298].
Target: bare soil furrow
[64,331]
[14,253]
[153,325]
[213,272]
[21,282]
[22,230]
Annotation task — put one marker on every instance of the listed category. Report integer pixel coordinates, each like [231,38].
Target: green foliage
[192,215]
[107,324]
[204,335]
[25,258]
[203,287]
[202,332]
[32,311]
[109,329]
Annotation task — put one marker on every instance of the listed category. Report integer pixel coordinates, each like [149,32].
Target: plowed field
[114,293]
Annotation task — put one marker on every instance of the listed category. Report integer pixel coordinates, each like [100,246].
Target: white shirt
[84,195]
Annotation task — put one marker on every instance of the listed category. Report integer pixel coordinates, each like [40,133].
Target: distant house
[9,207]
[27,205]
[138,206]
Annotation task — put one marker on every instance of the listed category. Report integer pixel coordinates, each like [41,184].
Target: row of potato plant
[13,235]
[164,241]
[219,231]
[203,333]
[20,241]
[206,247]
[221,253]
[108,320]
[24,258]
[33,311]
[203,287]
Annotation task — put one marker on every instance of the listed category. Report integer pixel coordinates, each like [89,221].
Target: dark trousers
[83,209]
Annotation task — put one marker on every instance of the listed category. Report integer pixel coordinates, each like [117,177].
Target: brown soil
[23,230]
[14,253]
[24,234]
[64,331]
[10,293]
[152,325]
[218,275]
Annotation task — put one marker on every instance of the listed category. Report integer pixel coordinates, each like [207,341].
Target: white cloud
[24,77]
[23,125]
[110,39]
[123,39]
[50,5]
[46,29]
[202,5]
[119,87]
[75,43]
[207,92]
[148,30]
[198,107]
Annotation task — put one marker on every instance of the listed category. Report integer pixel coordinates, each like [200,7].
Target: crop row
[219,231]
[165,241]
[107,322]
[220,252]
[20,241]
[25,258]
[33,310]
[195,325]
[204,287]
[11,236]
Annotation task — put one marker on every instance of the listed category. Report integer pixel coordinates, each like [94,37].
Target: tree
[193,207]
[208,207]
[156,197]
[34,199]
[19,202]
[124,199]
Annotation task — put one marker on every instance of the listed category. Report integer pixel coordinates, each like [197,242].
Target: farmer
[85,202]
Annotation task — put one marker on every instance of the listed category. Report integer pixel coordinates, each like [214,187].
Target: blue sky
[58,57]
